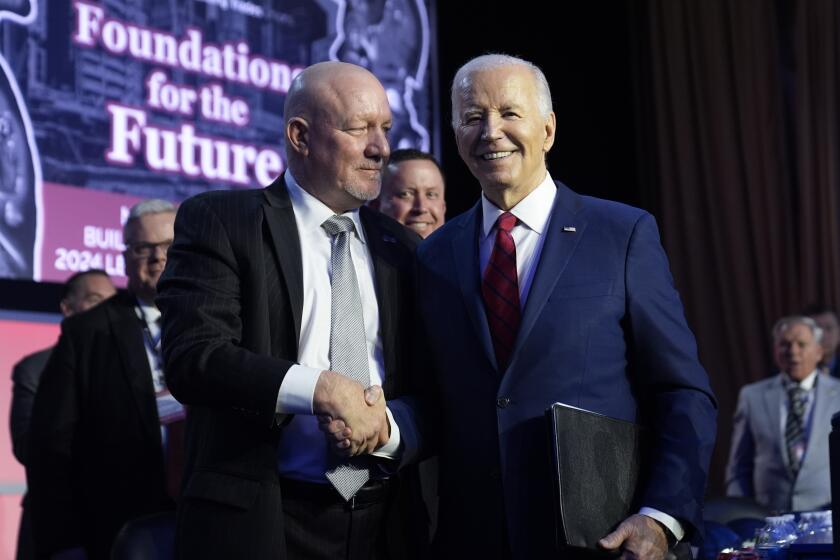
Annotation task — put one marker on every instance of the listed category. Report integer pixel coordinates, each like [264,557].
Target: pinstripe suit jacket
[232,301]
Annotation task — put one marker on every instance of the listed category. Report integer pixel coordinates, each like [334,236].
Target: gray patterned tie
[348,345]
[795,426]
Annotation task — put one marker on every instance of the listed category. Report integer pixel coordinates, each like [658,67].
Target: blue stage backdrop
[105,103]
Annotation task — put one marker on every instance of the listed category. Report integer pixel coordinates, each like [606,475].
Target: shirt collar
[146,312]
[533,211]
[310,212]
[807,383]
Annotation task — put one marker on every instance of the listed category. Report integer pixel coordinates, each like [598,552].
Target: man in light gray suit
[779,454]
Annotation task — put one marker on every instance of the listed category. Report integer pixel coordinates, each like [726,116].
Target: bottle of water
[815,528]
[805,527]
[775,537]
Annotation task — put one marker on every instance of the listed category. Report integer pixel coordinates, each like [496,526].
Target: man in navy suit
[549,296]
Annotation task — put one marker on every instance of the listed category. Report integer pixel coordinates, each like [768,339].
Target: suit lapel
[559,245]
[825,394]
[772,411]
[280,217]
[465,256]
[381,245]
[128,336]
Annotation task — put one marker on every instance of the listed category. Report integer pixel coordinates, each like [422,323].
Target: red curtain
[738,146]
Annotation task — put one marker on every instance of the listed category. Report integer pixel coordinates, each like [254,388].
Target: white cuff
[391,449]
[297,390]
[672,524]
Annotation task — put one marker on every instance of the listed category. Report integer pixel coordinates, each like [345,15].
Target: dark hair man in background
[282,304]
[779,451]
[825,317]
[82,291]
[413,191]
[567,298]
[102,417]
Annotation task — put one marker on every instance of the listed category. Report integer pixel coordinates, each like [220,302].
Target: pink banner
[20,338]
[83,230]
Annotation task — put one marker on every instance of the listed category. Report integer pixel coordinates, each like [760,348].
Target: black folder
[597,463]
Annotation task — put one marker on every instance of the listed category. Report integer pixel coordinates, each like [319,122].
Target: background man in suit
[264,301]
[413,191]
[779,452]
[82,291]
[96,453]
[825,317]
[549,296]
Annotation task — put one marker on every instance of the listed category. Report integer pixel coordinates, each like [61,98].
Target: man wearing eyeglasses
[106,436]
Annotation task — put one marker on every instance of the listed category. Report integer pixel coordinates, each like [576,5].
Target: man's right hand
[353,414]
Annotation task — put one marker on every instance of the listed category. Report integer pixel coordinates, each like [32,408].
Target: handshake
[352,417]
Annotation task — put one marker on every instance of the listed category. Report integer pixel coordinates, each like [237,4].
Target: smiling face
[338,139]
[412,194]
[501,134]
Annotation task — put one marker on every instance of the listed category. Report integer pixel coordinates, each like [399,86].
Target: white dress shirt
[303,451]
[534,214]
[149,315]
[169,410]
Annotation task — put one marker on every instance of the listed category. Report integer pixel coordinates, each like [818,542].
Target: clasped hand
[639,537]
[352,418]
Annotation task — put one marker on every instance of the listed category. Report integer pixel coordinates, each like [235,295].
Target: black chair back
[149,537]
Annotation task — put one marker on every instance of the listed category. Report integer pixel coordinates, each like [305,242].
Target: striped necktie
[795,426]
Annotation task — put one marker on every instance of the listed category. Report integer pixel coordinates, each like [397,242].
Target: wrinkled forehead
[350,96]
[497,87]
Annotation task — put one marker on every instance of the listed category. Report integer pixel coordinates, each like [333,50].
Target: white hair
[785,323]
[151,206]
[463,79]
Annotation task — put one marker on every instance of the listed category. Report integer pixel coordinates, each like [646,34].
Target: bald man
[282,306]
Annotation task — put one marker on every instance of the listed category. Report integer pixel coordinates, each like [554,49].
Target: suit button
[494,474]
[502,402]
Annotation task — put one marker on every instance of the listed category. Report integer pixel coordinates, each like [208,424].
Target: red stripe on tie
[500,288]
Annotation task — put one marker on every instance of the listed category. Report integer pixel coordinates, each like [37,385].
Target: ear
[65,308]
[297,135]
[550,127]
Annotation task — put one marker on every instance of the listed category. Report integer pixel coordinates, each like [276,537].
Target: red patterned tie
[500,289]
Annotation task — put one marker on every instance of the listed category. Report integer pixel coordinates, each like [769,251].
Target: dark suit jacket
[26,375]
[602,329]
[231,297]
[95,457]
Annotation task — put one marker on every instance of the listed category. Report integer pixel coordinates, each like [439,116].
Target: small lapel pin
[570,229]
[389,238]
